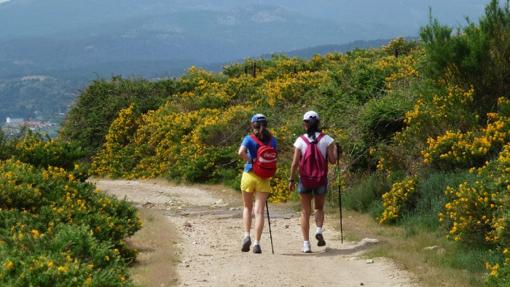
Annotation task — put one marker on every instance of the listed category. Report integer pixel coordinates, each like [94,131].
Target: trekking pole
[339,191]
[269,223]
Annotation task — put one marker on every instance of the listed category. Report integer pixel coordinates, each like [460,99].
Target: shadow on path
[348,250]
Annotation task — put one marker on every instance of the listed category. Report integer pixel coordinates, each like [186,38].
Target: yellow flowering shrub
[192,145]
[440,112]
[194,136]
[245,88]
[111,159]
[398,200]
[42,211]
[41,151]
[280,185]
[431,128]
[399,70]
[471,148]
[499,272]
[292,87]
[477,211]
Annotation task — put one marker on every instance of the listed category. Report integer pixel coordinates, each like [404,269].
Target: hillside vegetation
[194,135]
[424,127]
[56,229]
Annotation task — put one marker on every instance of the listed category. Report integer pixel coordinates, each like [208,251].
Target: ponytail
[312,128]
[266,135]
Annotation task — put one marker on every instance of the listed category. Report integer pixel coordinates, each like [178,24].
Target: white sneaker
[307,248]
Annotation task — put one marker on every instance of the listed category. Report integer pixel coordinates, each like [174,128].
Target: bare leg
[248,207]
[260,204]
[319,210]
[306,206]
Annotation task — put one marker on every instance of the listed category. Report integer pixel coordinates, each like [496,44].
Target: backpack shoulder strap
[258,141]
[305,139]
[318,139]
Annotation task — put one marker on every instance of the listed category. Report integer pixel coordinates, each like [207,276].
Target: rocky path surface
[208,224]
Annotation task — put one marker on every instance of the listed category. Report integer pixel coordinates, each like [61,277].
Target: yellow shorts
[253,183]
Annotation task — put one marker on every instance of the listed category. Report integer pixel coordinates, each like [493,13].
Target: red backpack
[265,163]
[313,168]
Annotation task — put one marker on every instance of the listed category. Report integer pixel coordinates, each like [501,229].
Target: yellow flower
[8,265]
[35,233]
[63,269]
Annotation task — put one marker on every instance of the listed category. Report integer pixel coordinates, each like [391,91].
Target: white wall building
[10,120]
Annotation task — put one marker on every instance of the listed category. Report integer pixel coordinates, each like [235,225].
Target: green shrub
[382,118]
[499,275]
[95,109]
[68,256]
[474,56]
[35,149]
[431,197]
[4,153]
[58,231]
[363,196]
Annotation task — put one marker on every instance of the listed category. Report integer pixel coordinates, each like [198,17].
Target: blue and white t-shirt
[252,148]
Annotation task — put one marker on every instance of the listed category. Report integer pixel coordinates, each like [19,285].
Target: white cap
[258,118]
[310,115]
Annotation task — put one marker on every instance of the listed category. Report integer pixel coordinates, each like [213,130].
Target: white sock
[246,234]
[319,230]
[306,246]
[255,242]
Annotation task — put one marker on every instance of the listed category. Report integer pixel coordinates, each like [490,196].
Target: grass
[363,195]
[155,264]
[446,264]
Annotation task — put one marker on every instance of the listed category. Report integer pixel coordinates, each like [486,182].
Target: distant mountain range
[73,42]
[41,36]
[49,96]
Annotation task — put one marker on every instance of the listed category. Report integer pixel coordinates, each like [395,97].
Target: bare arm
[243,153]
[294,167]
[332,153]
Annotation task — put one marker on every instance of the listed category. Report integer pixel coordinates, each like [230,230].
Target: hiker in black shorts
[313,150]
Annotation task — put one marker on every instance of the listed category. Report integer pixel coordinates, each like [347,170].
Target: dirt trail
[209,230]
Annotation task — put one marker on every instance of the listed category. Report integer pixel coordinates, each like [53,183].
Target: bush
[95,109]
[364,195]
[400,200]
[431,197]
[475,56]
[35,149]
[382,118]
[4,152]
[58,231]
[69,256]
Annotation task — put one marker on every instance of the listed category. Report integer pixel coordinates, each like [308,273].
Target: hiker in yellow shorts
[254,181]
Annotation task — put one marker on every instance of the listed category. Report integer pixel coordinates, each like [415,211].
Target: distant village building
[17,123]
[9,120]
